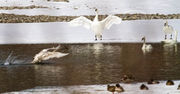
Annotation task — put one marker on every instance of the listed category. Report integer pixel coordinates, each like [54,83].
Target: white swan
[146,47]
[96,26]
[171,41]
[9,60]
[45,54]
[168,30]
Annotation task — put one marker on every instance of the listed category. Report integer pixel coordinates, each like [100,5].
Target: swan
[9,59]
[146,47]
[46,54]
[167,30]
[96,26]
[171,41]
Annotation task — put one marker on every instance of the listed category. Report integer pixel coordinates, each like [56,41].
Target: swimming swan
[146,47]
[96,26]
[46,54]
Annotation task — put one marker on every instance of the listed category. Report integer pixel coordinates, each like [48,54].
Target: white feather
[168,29]
[110,20]
[81,21]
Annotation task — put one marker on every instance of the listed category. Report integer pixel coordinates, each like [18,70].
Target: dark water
[87,64]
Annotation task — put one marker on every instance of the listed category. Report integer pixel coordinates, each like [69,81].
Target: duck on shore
[144,87]
[169,82]
[119,88]
[111,88]
[178,87]
[152,81]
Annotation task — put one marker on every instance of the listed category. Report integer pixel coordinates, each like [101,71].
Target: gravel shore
[20,7]
[12,18]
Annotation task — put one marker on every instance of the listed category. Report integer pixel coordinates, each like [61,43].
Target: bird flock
[117,88]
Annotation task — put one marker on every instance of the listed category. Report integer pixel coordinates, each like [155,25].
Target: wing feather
[110,20]
[81,21]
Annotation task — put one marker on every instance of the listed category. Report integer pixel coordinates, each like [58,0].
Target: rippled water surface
[87,64]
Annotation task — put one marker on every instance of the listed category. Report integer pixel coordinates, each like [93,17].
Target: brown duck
[111,88]
[119,88]
[178,87]
[143,87]
[152,81]
[169,82]
[127,79]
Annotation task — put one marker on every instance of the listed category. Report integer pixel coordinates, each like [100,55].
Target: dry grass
[20,7]
[12,18]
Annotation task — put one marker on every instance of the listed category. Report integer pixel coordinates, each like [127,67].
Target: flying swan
[46,54]
[96,26]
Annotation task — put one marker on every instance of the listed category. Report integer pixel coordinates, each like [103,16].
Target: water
[88,64]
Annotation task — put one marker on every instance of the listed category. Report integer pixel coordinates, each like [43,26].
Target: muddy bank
[12,18]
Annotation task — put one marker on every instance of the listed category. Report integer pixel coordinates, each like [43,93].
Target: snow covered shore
[102,89]
[62,32]
[86,7]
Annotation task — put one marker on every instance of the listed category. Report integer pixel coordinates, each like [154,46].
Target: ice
[62,32]
[102,89]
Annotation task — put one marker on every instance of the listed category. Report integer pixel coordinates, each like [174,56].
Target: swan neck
[96,17]
[176,34]
[144,41]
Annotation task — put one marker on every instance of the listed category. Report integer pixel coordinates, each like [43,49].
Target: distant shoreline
[13,18]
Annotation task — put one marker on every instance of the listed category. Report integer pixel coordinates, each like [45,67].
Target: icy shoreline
[102,89]
[62,32]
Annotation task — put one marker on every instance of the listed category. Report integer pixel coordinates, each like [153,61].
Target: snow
[86,7]
[62,32]
[102,89]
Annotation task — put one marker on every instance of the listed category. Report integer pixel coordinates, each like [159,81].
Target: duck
[178,87]
[111,88]
[144,87]
[169,82]
[119,88]
[46,54]
[96,26]
[127,79]
[146,47]
[152,81]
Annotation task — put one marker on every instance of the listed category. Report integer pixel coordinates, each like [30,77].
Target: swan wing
[54,55]
[110,20]
[168,29]
[81,21]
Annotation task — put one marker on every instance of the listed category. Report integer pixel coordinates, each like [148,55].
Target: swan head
[143,38]
[166,23]
[96,10]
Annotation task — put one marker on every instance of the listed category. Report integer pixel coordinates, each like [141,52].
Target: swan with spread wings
[96,26]
[47,54]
